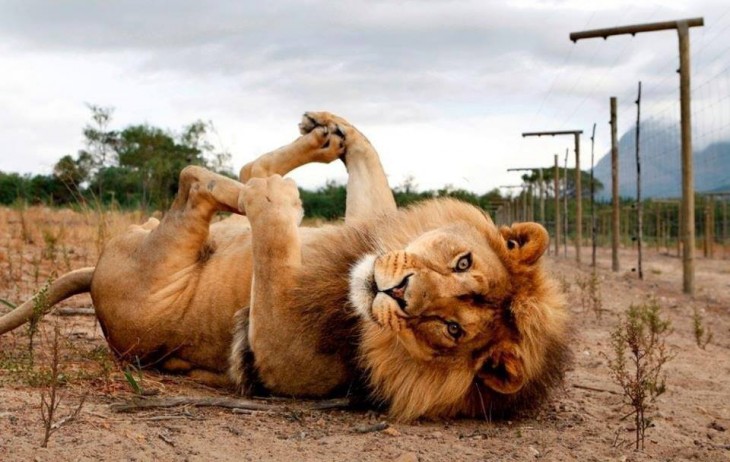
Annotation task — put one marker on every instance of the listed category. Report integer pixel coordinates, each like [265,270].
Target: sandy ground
[582,422]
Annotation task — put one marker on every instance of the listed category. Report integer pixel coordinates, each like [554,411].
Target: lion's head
[459,317]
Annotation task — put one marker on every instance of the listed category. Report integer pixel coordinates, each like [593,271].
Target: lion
[429,311]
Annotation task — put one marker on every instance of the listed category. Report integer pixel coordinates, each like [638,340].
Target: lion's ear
[503,372]
[526,242]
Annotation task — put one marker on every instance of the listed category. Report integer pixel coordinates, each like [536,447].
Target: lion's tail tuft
[75,282]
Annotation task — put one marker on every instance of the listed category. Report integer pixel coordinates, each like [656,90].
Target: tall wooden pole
[566,223]
[557,206]
[578,200]
[639,215]
[680,230]
[593,202]
[524,195]
[708,227]
[542,198]
[688,180]
[615,212]
[688,205]
[724,225]
[657,227]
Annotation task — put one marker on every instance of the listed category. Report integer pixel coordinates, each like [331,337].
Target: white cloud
[443,88]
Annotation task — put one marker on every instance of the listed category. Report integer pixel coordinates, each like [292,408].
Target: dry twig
[230,403]
[601,390]
[380,426]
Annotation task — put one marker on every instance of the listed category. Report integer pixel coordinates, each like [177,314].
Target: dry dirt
[582,422]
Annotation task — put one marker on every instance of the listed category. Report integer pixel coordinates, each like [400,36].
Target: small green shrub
[639,355]
[703,335]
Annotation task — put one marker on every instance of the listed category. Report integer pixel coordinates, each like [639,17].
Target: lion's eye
[463,264]
[454,329]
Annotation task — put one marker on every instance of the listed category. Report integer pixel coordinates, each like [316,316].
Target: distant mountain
[712,168]
[661,164]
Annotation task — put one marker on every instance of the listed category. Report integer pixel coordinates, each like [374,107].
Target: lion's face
[447,297]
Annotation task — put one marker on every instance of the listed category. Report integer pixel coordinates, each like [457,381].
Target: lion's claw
[339,131]
[307,124]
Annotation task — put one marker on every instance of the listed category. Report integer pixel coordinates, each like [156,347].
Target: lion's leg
[368,192]
[183,231]
[277,336]
[146,281]
[318,144]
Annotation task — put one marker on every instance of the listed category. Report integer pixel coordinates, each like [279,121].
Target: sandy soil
[582,422]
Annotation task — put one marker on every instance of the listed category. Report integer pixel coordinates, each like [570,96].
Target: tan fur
[266,306]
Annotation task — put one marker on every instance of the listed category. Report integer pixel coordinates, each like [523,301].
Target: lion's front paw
[334,124]
[328,134]
[272,195]
[326,144]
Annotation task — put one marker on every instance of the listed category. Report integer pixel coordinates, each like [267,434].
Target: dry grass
[36,244]
[36,241]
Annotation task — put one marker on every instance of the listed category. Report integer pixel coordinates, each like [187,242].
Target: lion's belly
[153,312]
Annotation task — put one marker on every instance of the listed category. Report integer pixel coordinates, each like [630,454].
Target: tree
[72,173]
[197,137]
[407,193]
[327,202]
[100,142]
[12,187]
[155,159]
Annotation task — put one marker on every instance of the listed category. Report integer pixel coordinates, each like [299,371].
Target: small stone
[437,435]
[534,452]
[391,431]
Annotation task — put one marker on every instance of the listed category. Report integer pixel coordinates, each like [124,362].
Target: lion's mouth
[379,298]
[398,292]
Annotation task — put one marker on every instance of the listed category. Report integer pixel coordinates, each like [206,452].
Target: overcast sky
[442,88]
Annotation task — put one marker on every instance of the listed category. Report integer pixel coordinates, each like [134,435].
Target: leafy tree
[327,202]
[122,185]
[72,173]
[12,187]
[406,193]
[139,164]
[155,159]
[196,136]
[100,142]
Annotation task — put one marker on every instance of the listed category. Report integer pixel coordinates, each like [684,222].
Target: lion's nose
[398,292]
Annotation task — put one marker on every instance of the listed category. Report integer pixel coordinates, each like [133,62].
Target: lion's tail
[75,282]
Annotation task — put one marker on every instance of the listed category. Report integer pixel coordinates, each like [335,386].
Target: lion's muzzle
[398,293]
